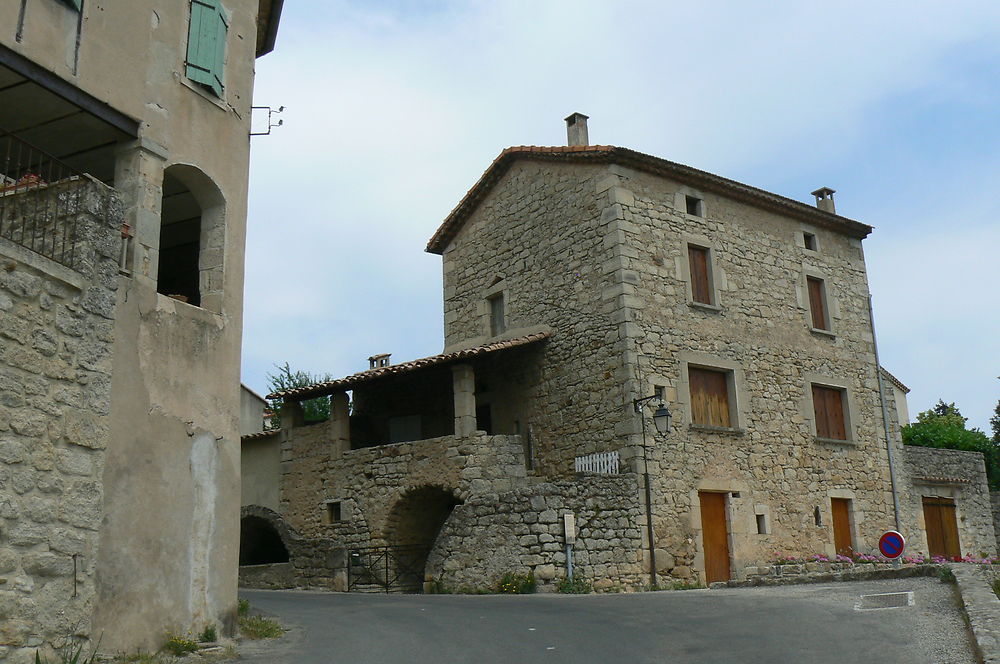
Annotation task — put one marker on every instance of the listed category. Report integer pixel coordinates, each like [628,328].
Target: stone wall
[369,482]
[522,531]
[56,335]
[953,474]
[540,238]
[995,504]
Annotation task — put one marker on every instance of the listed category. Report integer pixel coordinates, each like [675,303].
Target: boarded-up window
[828,405]
[817,303]
[701,286]
[709,397]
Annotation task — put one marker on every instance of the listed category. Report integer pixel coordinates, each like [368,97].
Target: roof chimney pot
[824,199]
[378,361]
[576,130]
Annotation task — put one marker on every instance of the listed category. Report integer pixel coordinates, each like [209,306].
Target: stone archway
[414,523]
[264,537]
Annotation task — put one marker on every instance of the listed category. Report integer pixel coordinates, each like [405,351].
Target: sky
[394,109]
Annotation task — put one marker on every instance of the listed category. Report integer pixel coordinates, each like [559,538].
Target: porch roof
[341,384]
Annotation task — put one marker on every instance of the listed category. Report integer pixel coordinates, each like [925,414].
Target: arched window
[192,238]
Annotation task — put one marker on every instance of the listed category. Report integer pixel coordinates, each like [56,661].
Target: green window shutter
[207,44]
[75,4]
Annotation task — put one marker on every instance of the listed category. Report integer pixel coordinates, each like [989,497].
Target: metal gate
[387,568]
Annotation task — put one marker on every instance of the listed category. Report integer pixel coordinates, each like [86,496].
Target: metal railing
[387,568]
[39,200]
[606,463]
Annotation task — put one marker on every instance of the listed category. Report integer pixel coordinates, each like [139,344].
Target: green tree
[944,427]
[995,424]
[314,410]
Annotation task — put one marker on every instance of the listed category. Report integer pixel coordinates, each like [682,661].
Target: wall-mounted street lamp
[661,420]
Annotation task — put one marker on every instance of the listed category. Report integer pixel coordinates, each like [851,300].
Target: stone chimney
[576,130]
[824,199]
[378,361]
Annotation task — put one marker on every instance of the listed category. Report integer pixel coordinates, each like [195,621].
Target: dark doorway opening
[260,543]
[180,243]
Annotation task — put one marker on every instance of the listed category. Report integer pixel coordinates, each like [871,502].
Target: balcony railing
[39,200]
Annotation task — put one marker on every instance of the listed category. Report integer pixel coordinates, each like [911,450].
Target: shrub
[242,607]
[259,627]
[179,645]
[578,586]
[208,635]
[946,575]
[517,584]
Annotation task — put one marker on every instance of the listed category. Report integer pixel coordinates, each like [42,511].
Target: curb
[982,606]
[827,577]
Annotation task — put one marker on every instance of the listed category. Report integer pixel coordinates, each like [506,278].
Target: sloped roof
[895,381]
[331,386]
[609,154]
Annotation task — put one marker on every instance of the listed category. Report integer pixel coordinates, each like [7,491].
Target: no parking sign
[891,544]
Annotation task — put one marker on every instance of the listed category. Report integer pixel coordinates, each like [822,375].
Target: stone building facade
[123,183]
[578,281]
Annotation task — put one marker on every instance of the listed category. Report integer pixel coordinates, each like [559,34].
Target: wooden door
[715,536]
[942,527]
[842,541]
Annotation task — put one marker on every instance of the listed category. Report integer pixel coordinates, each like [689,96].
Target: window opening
[693,204]
[334,512]
[818,516]
[701,284]
[180,243]
[710,397]
[809,240]
[497,322]
[761,524]
[828,407]
[817,303]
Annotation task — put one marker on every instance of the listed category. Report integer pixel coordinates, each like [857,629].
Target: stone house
[124,154]
[586,287]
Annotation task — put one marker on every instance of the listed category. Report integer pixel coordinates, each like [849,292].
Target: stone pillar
[292,414]
[139,179]
[340,423]
[464,389]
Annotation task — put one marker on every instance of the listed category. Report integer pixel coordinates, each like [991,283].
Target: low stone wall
[820,572]
[995,504]
[268,577]
[522,531]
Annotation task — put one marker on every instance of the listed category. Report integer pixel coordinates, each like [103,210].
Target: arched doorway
[412,529]
[260,543]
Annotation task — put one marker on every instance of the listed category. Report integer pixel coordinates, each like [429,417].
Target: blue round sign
[891,544]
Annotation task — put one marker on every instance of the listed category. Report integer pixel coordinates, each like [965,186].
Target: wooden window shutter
[709,397]
[828,406]
[817,303]
[700,284]
[75,4]
[207,44]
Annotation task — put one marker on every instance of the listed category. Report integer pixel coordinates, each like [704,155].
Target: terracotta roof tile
[895,381]
[260,434]
[930,479]
[331,386]
[610,154]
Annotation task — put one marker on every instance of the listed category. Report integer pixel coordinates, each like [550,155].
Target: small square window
[809,241]
[693,204]
[497,321]
[817,516]
[333,512]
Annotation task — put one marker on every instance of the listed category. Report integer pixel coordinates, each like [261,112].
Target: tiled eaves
[259,435]
[895,381]
[331,386]
[930,479]
[610,154]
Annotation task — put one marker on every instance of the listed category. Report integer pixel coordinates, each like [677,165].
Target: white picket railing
[600,462]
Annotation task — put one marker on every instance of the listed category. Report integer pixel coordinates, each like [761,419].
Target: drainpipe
[885,417]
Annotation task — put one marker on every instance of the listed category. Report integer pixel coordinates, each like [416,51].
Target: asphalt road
[809,624]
